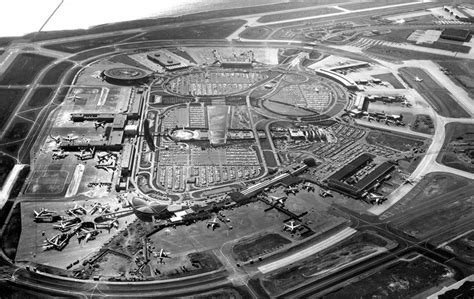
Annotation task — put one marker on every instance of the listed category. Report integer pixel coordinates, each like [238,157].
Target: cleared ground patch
[430,187]
[462,247]
[399,280]
[358,246]
[395,141]
[24,69]
[248,249]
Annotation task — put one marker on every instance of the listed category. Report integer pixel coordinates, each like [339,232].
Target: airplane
[106,167]
[291,226]
[87,234]
[75,97]
[59,155]
[409,180]
[406,103]
[278,200]
[376,198]
[98,207]
[45,215]
[100,124]
[418,79]
[292,190]
[213,224]
[77,210]
[325,193]
[70,137]
[57,242]
[86,154]
[162,254]
[104,156]
[56,139]
[43,211]
[51,243]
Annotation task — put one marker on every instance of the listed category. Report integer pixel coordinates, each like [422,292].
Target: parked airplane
[213,223]
[408,180]
[67,225]
[86,154]
[162,254]
[98,207]
[278,200]
[70,137]
[292,190]
[87,234]
[45,215]
[77,210]
[291,226]
[406,103]
[376,198]
[100,124]
[325,193]
[107,166]
[104,156]
[56,139]
[59,155]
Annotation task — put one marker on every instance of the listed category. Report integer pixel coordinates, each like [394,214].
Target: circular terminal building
[125,76]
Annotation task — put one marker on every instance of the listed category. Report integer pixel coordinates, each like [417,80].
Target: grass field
[372,3]
[298,14]
[400,280]
[92,53]
[260,32]
[18,130]
[462,72]
[125,59]
[395,141]
[10,99]
[430,187]
[54,75]
[11,233]
[204,31]
[41,96]
[82,45]
[447,46]
[6,165]
[438,97]
[24,69]
[389,53]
